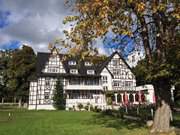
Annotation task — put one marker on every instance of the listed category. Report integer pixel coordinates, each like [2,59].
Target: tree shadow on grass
[176,120]
[114,122]
[6,120]
[176,123]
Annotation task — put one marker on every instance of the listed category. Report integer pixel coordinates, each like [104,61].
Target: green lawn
[65,123]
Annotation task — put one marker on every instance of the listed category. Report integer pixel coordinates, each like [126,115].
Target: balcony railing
[83,87]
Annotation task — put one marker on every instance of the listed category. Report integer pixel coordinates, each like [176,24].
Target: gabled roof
[80,66]
[105,63]
[42,59]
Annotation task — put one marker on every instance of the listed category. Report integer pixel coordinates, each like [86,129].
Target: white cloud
[99,44]
[34,22]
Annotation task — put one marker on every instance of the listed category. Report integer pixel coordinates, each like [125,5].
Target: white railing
[82,101]
[83,87]
[124,88]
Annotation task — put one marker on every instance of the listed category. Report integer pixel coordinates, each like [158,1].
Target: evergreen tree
[59,97]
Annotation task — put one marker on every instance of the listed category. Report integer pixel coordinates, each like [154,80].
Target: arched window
[137,97]
[131,98]
[113,98]
[119,98]
[143,98]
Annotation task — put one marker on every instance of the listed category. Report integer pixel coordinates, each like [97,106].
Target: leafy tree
[142,73]
[59,97]
[177,95]
[4,60]
[154,22]
[21,69]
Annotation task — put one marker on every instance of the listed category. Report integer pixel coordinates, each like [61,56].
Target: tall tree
[59,100]
[21,69]
[141,72]
[4,60]
[155,22]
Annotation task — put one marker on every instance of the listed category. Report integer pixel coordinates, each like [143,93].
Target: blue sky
[11,45]
[4,18]
[122,43]
[4,22]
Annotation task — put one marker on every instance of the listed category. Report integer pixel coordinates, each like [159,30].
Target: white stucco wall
[41,107]
[150,90]
[105,72]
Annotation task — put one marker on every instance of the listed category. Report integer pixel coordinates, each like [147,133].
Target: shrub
[96,109]
[107,112]
[70,108]
[91,108]
[86,107]
[74,108]
[80,106]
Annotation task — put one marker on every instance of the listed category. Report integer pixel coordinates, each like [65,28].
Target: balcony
[83,87]
[124,88]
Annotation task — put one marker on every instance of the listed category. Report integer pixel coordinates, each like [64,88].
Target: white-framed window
[128,83]
[46,95]
[90,72]
[72,62]
[47,82]
[115,62]
[116,72]
[117,83]
[52,69]
[73,71]
[53,60]
[104,79]
[87,63]
[105,88]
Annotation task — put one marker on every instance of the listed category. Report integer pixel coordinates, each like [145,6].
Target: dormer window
[87,63]
[72,62]
[90,72]
[73,71]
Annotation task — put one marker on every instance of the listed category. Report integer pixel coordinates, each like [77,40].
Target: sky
[31,22]
[35,23]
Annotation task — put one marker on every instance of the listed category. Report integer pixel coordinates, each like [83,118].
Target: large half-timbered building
[84,82]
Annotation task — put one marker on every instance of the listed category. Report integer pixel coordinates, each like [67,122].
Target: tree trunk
[162,118]
[163,113]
